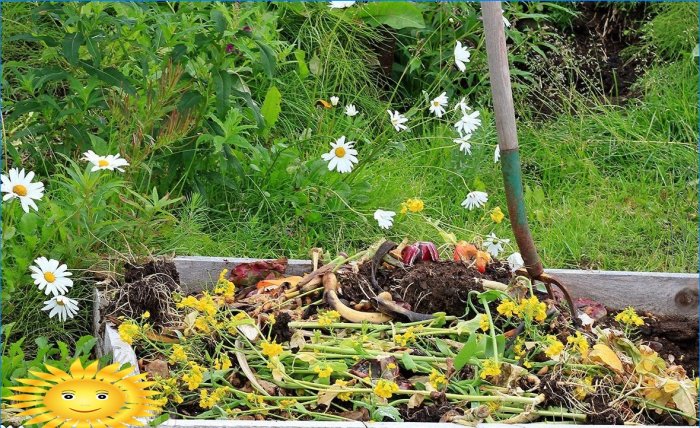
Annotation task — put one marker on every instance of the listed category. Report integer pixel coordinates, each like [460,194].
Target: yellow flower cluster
[343,396]
[484,323]
[271,349]
[437,379]
[169,391]
[629,317]
[326,318]
[519,348]
[412,205]
[222,363]
[286,404]
[554,346]
[224,287]
[255,399]
[194,376]
[204,304]
[324,371]
[497,215]
[586,387]
[407,337]
[529,308]
[385,388]
[580,343]
[207,401]
[490,369]
[128,331]
[178,354]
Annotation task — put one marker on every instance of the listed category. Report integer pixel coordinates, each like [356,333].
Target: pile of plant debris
[396,333]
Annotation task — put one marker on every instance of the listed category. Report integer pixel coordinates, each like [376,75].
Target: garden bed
[423,358]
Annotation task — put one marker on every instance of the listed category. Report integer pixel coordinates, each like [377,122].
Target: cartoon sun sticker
[85,397]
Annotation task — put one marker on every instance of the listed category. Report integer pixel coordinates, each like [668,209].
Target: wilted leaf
[247,274]
[291,280]
[686,398]
[415,400]
[325,397]
[603,354]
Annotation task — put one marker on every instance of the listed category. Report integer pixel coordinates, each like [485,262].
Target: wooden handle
[499,73]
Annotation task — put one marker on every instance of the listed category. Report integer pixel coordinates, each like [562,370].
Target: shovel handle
[499,75]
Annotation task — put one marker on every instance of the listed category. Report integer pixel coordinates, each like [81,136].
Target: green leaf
[219,19]
[71,46]
[267,56]
[387,412]
[303,69]
[110,76]
[395,15]
[466,353]
[222,87]
[271,108]
[442,346]
[408,362]
[94,50]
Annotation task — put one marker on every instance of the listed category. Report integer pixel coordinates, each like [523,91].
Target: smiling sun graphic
[85,397]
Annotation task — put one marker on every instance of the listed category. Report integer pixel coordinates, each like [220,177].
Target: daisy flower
[110,162]
[461,56]
[497,154]
[505,20]
[350,110]
[48,275]
[475,199]
[397,120]
[334,101]
[340,4]
[462,105]
[384,218]
[342,156]
[438,105]
[17,184]
[468,123]
[464,145]
[494,244]
[62,306]
[515,261]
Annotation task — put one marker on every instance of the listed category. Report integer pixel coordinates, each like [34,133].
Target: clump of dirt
[600,413]
[426,287]
[280,329]
[148,288]
[433,412]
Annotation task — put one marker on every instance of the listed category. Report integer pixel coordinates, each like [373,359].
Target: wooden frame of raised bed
[670,294]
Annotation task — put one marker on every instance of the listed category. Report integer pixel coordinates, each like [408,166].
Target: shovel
[499,74]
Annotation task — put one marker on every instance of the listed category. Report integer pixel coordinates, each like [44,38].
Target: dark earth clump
[426,287]
[280,329]
[148,288]
[433,412]
[600,413]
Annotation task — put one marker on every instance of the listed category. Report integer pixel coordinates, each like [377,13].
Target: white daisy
[464,145]
[334,101]
[342,156]
[505,20]
[384,218]
[340,4]
[475,199]
[468,123]
[438,105]
[462,105]
[497,154]
[17,184]
[397,120]
[62,306]
[350,110]
[461,56]
[47,274]
[494,244]
[110,162]
[515,261]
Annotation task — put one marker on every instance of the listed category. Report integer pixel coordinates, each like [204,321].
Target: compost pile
[396,333]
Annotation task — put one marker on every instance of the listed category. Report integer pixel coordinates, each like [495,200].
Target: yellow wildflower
[272,319]
[202,324]
[254,399]
[497,215]
[507,308]
[128,331]
[580,343]
[326,318]
[581,391]
[207,401]
[146,315]
[222,363]
[554,346]
[204,304]
[178,354]
[286,404]
[519,348]
[484,323]
[412,205]
[391,366]
[326,371]
[405,338]
[343,396]
[527,364]
[385,388]
[194,376]
[437,379]
[225,287]
[532,308]
[490,369]
[271,349]
[629,317]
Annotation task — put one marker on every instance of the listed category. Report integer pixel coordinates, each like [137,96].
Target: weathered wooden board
[658,292]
